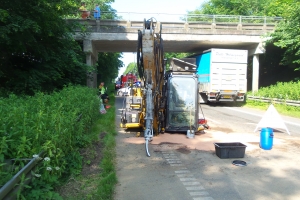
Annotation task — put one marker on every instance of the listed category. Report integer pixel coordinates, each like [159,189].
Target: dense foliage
[234,7]
[100,156]
[282,90]
[131,68]
[38,52]
[108,66]
[287,35]
[58,124]
[245,7]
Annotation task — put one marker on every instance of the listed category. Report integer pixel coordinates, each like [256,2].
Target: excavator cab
[182,108]
[182,96]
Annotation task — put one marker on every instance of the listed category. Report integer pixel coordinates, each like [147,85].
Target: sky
[166,8]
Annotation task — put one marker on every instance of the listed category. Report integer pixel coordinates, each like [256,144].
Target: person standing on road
[97,12]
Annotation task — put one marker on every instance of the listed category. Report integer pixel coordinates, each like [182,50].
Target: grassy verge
[292,111]
[98,177]
[58,124]
[281,90]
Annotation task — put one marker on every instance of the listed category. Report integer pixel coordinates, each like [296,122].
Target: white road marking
[173,159]
[214,121]
[204,198]
[195,188]
[174,162]
[184,175]
[198,193]
[182,172]
[243,111]
[187,179]
[191,183]
[295,124]
[168,156]
[176,165]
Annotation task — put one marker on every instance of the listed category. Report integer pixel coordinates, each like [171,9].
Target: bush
[282,90]
[57,124]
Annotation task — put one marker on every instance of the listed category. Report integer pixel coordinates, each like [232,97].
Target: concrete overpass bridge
[192,33]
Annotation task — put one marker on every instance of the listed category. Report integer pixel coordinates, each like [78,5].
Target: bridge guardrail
[231,28]
[10,189]
[188,23]
[136,16]
[275,100]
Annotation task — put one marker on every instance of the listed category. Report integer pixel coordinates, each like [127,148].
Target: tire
[120,93]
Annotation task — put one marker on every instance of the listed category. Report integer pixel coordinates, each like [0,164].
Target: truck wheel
[120,93]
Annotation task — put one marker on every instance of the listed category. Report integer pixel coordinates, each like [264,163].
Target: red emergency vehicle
[128,79]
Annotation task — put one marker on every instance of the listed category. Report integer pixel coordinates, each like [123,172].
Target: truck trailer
[222,75]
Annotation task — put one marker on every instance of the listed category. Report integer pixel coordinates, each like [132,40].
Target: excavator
[167,100]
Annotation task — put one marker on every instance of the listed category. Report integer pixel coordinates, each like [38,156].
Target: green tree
[38,51]
[131,68]
[233,7]
[287,36]
[174,55]
[280,8]
[108,66]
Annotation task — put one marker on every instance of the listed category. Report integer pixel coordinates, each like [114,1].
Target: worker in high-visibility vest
[102,93]
[101,88]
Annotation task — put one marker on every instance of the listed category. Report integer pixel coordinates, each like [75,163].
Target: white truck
[222,75]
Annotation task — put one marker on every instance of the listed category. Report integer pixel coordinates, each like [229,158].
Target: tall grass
[58,124]
[98,186]
[292,111]
[107,177]
[281,90]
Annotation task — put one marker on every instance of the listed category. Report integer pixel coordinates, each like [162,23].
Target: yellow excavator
[166,101]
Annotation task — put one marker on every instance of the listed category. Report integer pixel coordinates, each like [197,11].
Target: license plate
[227,97]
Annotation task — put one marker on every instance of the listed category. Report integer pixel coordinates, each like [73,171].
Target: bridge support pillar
[98,25]
[213,26]
[91,59]
[255,73]
[91,79]
[239,27]
[255,51]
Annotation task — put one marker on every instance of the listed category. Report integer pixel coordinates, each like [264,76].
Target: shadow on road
[225,104]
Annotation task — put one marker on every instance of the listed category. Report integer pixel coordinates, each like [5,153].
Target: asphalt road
[240,119]
[182,168]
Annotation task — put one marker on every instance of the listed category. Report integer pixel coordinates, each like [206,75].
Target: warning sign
[272,119]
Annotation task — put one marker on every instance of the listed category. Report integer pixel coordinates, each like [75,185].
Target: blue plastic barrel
[266,138]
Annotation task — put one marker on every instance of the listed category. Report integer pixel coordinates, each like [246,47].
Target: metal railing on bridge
[183,23]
